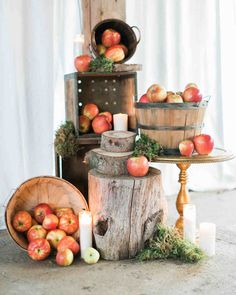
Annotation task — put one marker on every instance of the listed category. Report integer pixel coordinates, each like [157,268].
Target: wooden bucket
[128,36]
[170,123]
[55,191]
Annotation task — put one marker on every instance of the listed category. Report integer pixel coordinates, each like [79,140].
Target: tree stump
[125,212]
[118,141]
[113,164]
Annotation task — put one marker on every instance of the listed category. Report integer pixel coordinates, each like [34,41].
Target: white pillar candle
[207,238]
[85,231]
[189,213]
[78,44]
[120,122]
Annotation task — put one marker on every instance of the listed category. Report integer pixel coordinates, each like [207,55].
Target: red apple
[65,257]
[68,243]
[55,236]
[36,232]
[203,144]
[144,99]
[39,249]
[84,124]
[174,98]
[137,166]
[100,124]
[40,211]
[69,223]
[186,148]
[110,37]
[22,221]
[101,49]
[90,110]
[115,53]
[122,46]
[50,222]
[191,85]
[108,115]
[63,210]
[156,93]
[192,94]
[82,63]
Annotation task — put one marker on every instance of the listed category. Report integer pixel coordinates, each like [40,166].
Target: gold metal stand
[183,163]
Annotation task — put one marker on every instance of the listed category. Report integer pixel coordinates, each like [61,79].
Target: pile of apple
[157,93]
[50,229]
[203,144]
[92,118]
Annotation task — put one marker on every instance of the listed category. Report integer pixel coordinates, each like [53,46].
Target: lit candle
[78,44]
[85,231]
[190,222]
[120,122]
[207,237]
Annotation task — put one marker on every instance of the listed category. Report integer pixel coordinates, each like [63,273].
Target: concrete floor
[216,276]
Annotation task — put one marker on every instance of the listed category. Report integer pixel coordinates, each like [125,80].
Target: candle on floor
[120,122]
[85,231]
[78,44]
[207,237]
[189,213]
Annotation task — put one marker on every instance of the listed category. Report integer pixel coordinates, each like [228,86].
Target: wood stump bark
[125,212]
[118,141]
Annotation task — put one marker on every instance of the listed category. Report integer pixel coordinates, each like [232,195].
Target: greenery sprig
[66,141]
[167,243]
[101,64]
[147,147]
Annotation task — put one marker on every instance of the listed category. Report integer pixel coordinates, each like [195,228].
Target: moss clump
[101,64]
[167,243]
[66,141]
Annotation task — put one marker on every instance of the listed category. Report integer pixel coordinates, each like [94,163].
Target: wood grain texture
[71,100]
[45,189]
[125,211]
[109,163]
[118,141]
[127,67]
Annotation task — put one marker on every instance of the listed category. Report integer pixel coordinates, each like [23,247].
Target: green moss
[101,64]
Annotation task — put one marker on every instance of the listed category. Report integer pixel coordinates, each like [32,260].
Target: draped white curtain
[192,41]
[182,41]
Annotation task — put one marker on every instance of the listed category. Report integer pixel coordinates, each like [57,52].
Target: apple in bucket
[39,249]
[68,242]
[144,99]
[82,63]
[115,53]
[55,236]
[192,94]
[50,222]
[40,211]
[63,210]
[203,144]
[137,166]
[22,221]
[36,232]
[110,37]
[69,223]
[156,93]
[174,98]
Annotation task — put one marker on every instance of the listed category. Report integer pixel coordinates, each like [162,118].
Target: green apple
[91,255]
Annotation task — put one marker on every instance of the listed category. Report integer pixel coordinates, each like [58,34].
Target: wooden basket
[170,123]
[128,37]
[55,191]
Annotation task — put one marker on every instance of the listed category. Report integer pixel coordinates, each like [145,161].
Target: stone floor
[217,275]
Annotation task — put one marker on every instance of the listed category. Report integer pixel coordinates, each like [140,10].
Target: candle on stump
[85,231]
[207,237]
[78,44]
[189,213]
[120,122]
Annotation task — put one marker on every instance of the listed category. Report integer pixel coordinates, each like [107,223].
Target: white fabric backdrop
[182,41]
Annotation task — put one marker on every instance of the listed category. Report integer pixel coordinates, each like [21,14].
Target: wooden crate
[113,92]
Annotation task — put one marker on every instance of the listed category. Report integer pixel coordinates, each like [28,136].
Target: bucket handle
[139,33]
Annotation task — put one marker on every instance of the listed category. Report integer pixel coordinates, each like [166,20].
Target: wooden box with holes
[113,92]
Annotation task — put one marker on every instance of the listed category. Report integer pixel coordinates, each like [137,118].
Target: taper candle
[120,122]
[189,213]
[207,237]
[78,44]
[85,231]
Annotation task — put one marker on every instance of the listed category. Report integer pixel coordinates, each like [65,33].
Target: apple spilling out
[82,63]
[157,93]
[203,144]
[91,118]
[137,166]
